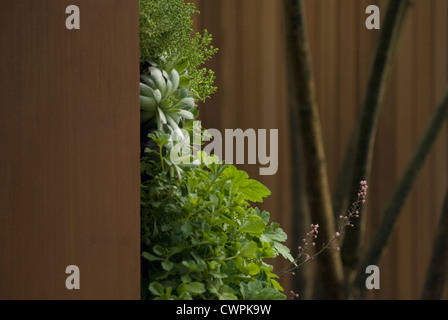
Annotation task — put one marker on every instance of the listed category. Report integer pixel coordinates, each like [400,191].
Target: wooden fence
[69,184]
[69,150]
[250,70]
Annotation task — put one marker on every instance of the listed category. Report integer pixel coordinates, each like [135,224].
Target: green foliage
[201,238]
[166,37]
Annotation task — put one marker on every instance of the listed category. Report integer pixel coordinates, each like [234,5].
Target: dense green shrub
[201,237]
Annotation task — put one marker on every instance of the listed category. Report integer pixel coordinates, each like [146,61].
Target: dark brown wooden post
[69,150]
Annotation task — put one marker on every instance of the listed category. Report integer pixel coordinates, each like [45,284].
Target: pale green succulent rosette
[165,100]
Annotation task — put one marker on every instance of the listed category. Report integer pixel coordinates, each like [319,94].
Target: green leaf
[150,257]
[196,287]
[276,285]
[167,265]
[226,293]
[256,290]
[181,65]
[159,250]
[249,249]
[264,215]
[156,288]
[270,294]
[284,251]
[253,268]
[186,228]
[274,235]
[253,190]
[256,226]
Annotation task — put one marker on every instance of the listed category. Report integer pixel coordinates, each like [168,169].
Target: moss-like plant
[167,37]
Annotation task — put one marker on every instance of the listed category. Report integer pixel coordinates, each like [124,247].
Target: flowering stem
[345,221]
[296,265]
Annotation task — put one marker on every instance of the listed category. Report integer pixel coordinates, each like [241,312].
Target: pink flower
[337,234]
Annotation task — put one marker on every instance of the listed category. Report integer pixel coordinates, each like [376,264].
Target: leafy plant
[166,38]
[201,237]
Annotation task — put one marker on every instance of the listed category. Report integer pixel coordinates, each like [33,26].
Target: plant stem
[307,120]
[368,122]
[303,281]
[390,216]
[161,157]
[297,265]
[437,273]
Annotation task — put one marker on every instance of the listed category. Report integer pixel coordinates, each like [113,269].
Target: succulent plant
[165,100]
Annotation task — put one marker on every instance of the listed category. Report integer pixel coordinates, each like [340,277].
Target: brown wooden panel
[342,51]
[405,109]
[69,150]
[423,111]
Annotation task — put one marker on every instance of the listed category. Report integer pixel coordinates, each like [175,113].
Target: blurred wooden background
[250,70]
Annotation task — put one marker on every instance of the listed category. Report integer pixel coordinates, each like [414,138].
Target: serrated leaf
[284,251]
[255,290]
[263,215]
[253,190]
[270,294]
[253,226]
[274,235]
